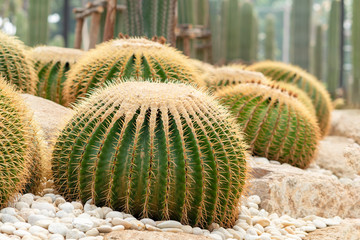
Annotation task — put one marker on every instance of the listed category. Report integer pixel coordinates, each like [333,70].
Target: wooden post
[110,20]
[78,32]
[95,27]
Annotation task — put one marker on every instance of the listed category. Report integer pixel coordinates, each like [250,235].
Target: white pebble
[216,236]
[114,214]
[8,229]
[118,221]
[58,228]
[174,230]
[83,224]
[169,224]
[74,234]
[308,228]
[43,206]
[187,229]
[8,218]
[148,221]
[21,205]
[319,224]
[21,233]
[92,232]
[104,229]
[67,207]
[197,231]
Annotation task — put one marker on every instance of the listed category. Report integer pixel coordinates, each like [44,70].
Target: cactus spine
[126,58]
[278,71]
[38,21]
[300,33]
[318,60]
[170,152]
[270,44]
[248,29]
[356,53]
[15,65]
[333,58]
[20,146]
[276,124]
[52,65]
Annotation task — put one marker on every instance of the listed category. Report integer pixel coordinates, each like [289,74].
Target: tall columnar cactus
[356,53]
[151,18]
[334,48]
[21,155]
[153,149]
[269,43]
[247,28]
[125,58]
[275,123]
[233,35]
[38,21]
[300,33]
[278,71]
[52,65]
[318,60]
[15,66]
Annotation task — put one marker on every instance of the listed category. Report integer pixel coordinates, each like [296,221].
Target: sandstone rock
[151,235]
[284,189]
[349,229]
[346,123]
[50,116]
[339,155]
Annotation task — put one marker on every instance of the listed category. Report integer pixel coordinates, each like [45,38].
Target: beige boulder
[340,155]
[284,189]
[346,123]
[50,116]
[349,229]
[152,235]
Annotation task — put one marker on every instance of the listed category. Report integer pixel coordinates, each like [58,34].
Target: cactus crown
[308,83]
[276,124]
[166,151]
[20,148]
[56,54]
[126,58]
[15,65]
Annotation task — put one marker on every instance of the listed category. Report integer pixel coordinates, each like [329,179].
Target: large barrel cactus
[276,124]
[278,71]
[165,151]
[52,65]
[21,151]
[15,65]
[125,58]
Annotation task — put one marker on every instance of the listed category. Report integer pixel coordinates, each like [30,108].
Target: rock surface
[349,229]
[346,123]
[339,155]
[141,235]
[284,189]
[50,116]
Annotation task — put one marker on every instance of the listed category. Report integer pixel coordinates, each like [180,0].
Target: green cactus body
[270,45]
[318,60]
[15,65]
[300,33]
[356,53]
[333,58]
[21,155]
[275,123]
[233,35]
[52,65]
[278,71]
[38,21]
[247,26]
[165,151]
[126,58]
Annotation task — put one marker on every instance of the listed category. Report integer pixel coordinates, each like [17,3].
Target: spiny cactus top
[276,124]
[126,58]
[52,65]
[165,151]
[316,91]
[230,76]
[21,155]
[201,66]
[15,66]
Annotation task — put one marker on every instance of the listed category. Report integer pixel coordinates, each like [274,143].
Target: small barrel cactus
[15,65]
[278,71]
[165,151]
[275,123]
[126,58]
[52,65]
[21,148]
[229,76]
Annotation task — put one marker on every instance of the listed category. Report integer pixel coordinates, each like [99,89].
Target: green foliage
[15,66]
[276,125]
[318,60]
[270,44]
[334,48]
[159,150]
[300,33]
[356,53]
[38,21]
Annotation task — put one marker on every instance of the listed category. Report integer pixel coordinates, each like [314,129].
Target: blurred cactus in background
[300,33]
[248,33]
[38,21]
[333,49]
[356,53]
[270,44]
[317,58]
[232,14]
